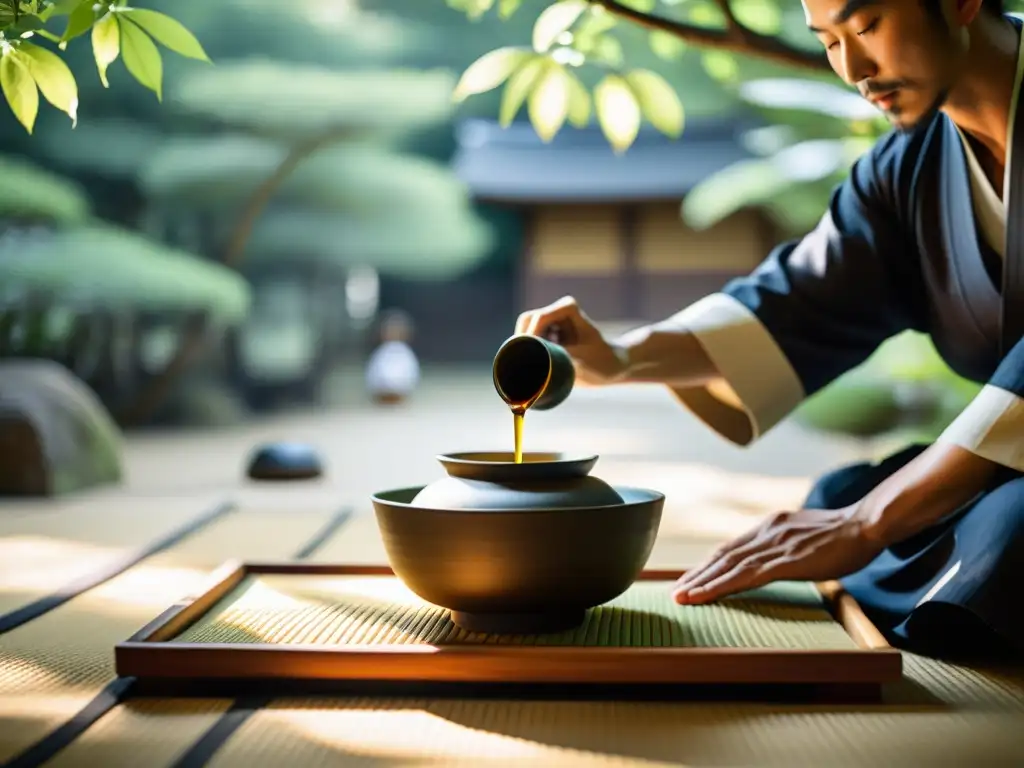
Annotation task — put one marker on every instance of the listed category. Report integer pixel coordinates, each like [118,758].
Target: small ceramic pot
[533,371]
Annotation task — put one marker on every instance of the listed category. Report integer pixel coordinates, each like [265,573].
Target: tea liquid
[522,373]
[517,426]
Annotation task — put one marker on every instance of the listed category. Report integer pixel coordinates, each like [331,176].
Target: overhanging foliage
[309,101]
[27,191]
[109,267]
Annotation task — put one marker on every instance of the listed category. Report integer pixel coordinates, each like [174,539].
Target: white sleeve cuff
[991,426]
[759,387]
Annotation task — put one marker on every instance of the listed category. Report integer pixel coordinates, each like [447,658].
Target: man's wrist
[656,354]
[930,487]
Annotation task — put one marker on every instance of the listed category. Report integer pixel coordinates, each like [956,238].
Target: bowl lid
[500,466]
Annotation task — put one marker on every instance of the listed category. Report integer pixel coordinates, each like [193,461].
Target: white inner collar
[989,206]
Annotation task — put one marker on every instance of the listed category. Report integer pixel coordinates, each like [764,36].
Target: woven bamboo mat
[371,610]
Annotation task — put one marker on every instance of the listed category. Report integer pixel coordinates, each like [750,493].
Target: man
[931,540]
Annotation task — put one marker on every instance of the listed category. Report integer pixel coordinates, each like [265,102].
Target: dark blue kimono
[899,249]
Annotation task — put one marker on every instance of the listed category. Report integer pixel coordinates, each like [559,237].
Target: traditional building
[607,228]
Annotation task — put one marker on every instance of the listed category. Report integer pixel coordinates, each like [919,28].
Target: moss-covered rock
[55,436]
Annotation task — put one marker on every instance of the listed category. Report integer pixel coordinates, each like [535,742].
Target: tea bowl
[518,548]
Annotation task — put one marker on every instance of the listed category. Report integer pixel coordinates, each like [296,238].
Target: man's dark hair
[995,7]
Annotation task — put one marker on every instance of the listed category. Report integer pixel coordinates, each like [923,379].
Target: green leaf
[554,20]
[106,44]
[618,112]
[64,6]
[80,20]
[19,89]
[507,7]
[142,57]
[761,181]
[759,15]
[169,32]
[518,88]
[579,101]
[706,14]
[25,24]
[473,9]
[742,184]
[54,79]
[490,71]
[721,66]
[591,27]
[607,50]
[666,46]
[644,6]
[549,102]
[658,101]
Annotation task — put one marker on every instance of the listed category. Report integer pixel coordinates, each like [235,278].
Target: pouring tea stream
[532,372]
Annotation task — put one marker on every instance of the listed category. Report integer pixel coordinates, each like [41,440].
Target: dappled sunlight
[611,441]
[42,564]
[339,587]
[401,734]
[705,501]
[40,706]
[21,674]
[313,609]
[147,586]
[260,596]
[271,594]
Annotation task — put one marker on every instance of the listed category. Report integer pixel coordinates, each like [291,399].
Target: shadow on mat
[665,733]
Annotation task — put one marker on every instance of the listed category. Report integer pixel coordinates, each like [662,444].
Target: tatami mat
[43,548]
[941,715]
[142,733]
[473,733]
[51,667]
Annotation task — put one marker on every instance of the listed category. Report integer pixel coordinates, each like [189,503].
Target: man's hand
[808,545]
[818,545]
[597,360]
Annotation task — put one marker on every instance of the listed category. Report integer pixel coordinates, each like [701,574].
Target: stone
[285,461]
[56,437]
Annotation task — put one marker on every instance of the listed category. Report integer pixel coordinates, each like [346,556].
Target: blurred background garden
[228,250]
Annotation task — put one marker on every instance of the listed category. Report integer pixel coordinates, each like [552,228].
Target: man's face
[900,55]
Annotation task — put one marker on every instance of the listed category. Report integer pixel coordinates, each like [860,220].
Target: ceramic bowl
[518,548]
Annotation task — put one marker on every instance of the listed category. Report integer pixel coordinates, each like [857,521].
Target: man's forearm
[654,355]
[935,484]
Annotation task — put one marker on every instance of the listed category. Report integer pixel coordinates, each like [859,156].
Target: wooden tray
[160,660]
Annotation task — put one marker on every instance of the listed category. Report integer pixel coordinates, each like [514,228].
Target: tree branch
[732,24]
[153,396]
[258,201]
[735,38]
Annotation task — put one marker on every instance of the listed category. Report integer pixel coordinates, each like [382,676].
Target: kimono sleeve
[817,306]
[992,425]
